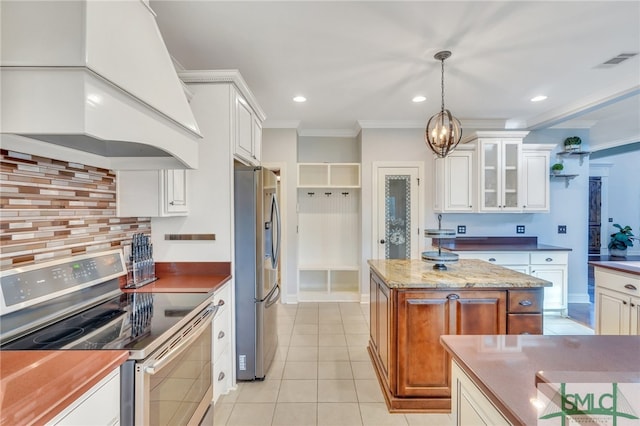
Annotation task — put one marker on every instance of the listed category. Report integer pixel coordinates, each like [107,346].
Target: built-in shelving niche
[329,232]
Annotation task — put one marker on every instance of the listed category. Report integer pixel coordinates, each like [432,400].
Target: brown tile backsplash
[51,208]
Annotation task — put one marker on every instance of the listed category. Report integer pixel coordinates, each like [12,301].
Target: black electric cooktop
[130,321]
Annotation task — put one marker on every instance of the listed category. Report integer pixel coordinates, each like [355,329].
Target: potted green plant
[572,143]
[557,168]
[620,241]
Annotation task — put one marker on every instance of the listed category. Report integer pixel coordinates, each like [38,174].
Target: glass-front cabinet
[499,174]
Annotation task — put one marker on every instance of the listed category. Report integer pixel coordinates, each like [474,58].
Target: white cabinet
[493,172]
[328,231]
[535,177]
[500,170]
[617,302]
[100,405]
[454,181]
[222,347]
[152,193]
[547,265]
[247,131]
[469,405]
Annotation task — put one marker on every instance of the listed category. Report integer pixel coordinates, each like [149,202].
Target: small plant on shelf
[621,240]
[557,168]
[572,143]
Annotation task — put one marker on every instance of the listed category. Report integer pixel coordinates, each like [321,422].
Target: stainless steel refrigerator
[257,247]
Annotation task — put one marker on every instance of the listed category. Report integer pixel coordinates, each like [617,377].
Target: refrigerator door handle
[275,242]
[272,299]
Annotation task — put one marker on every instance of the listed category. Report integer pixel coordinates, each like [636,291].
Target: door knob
[381,241]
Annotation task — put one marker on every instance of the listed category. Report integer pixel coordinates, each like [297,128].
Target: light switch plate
[462,229]
[562,229]
[519,229]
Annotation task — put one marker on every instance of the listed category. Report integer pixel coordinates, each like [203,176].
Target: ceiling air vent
[620,58]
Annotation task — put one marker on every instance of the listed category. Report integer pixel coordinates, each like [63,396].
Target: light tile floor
[322,374]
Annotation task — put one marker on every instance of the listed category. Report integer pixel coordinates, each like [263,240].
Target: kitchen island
[412,305]
[496,378]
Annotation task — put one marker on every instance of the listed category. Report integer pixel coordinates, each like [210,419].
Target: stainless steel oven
[76,304]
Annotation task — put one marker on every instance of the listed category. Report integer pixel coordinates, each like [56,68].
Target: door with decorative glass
[398,208]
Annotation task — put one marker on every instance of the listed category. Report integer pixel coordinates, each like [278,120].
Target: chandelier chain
[442,84]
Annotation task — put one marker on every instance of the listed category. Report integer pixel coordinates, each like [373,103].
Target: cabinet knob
[453,296]
[221,376]
[633,305]
[630,287]
[381,241]
[221,334]
[624,302]
[171,203]
[492,259]
[525,303]
[221,302]
[549,259]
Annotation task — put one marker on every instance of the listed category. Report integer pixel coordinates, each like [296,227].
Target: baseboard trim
[579,298]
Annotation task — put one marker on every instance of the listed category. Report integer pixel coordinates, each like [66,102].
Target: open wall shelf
[328,175]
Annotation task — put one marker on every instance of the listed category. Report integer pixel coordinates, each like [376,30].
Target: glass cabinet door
[490,175]
[510,160]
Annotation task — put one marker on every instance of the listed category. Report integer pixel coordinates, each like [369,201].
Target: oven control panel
[29,285]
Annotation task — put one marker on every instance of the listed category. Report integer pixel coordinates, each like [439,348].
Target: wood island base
[407,405]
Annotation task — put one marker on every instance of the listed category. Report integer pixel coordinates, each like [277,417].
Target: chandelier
[443,132]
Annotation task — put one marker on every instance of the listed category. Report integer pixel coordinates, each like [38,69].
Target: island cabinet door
[379,321]
[423,366]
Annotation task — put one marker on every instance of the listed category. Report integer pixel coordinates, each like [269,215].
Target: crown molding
[613,144]
[281,124]
[329,133]
[226,77]
[575,124]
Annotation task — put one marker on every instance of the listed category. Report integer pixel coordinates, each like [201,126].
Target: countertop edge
[171,284]
[616,266]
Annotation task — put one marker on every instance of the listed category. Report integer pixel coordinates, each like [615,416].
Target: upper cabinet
[152,193]
[248,131]
[493,172]
[454,177]
[500,169]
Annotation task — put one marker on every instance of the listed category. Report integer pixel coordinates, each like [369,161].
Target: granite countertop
[496,244]
[38,385]
[507,368]
[466,273]
[628,266]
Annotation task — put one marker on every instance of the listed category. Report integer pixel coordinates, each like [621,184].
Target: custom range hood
[94,76]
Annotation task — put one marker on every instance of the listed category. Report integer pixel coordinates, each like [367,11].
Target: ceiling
[359,64]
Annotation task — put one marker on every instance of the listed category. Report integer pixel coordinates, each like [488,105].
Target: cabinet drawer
[524,324]
[221,333]
[525,301]
[618,281]
[221,376]
[549,258]
[499,258]
[222,298]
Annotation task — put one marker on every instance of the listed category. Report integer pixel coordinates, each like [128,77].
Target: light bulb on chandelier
[443,132]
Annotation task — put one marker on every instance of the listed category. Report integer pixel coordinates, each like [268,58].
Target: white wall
[328,150]
[623,193]
[208,188]
[279,147]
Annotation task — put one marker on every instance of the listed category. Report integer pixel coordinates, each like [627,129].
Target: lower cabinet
[100,405]
[469,405]
[222,347]
[406,324]
[617,302]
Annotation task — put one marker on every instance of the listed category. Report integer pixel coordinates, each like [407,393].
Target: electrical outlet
[462,229]
[562,229]
[519,229]
[610,220]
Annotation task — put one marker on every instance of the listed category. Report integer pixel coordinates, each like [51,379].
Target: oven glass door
[174,387]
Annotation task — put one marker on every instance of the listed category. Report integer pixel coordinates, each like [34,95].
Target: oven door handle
[157,365]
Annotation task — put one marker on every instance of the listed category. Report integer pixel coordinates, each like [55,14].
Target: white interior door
[398,212]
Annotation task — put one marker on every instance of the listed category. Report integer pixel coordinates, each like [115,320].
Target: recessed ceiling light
[538,98]
[299,99]
[418,98]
